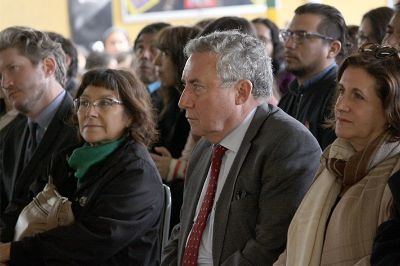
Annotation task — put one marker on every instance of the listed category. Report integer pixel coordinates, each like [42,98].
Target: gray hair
[34,45]
[240,57]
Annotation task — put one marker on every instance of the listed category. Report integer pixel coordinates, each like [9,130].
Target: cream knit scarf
[307,229]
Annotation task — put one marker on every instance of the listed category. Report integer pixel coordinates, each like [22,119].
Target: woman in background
[373,25]
[172,123]
[268,33]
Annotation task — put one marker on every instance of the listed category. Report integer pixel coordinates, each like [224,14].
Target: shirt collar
[318,76]
[234,139]
[152,87]
[47,114]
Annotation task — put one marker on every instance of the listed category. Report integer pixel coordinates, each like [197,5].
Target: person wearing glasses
[392,36]
[373,25]
[338,218]
[113,183]
[315,37]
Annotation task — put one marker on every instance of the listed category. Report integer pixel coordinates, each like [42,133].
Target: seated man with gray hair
[249,172]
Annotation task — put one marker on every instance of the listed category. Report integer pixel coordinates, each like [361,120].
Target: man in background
[32,70]
[146,51]
[315,37]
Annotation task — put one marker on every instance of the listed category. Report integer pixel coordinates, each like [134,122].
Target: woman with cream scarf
[337,220]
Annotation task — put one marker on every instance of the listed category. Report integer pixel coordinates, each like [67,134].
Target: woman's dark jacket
[117,208]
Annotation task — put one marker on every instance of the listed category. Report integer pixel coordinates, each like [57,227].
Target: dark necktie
[193,244]
[32,141]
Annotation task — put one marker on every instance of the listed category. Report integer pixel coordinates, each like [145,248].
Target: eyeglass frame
[306,35]
[95,104]
[379,51]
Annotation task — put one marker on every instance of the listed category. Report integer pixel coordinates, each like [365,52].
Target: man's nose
[92,111]
[185,101]
[289,43]
[5,82]
[147,54]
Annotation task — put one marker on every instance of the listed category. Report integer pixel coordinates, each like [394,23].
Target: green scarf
[84,157]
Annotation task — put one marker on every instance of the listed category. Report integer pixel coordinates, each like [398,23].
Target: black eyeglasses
[299,36]
[379,51]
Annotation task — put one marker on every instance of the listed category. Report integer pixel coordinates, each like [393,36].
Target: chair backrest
[165,218]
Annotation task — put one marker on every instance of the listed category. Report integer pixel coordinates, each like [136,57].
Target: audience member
[338,218]
[116,191]
[268,33]
[392,36]
[229,23]
[32,67]
[203,23]
[82,55]
[268,165]
[352,42]
[8,113]
[172,169]
[386,244]
[125,60]
[71,56]
[316,35]
[172,123]
[146,51]
[100,60]
[373,25]
[116,40]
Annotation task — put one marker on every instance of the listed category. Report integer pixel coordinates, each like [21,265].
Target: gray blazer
[270,175]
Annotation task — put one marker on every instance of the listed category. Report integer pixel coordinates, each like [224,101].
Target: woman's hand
[162,160]
[4,253]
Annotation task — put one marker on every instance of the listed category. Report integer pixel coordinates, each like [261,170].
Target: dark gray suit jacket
[19,184]
[270,174]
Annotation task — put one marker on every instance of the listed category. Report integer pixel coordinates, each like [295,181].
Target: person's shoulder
[276,117]
[329,80]
[132,152]
[133,157]
[278,125]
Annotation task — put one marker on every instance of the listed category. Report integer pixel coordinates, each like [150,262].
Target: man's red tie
[193,244]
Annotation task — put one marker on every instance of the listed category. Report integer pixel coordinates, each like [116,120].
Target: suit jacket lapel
[51,135]
[19,150]
[224,200]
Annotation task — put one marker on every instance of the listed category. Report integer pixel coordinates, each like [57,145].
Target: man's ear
[49,66]
[243,89]
[334,49]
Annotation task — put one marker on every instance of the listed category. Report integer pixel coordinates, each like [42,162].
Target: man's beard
[299,71]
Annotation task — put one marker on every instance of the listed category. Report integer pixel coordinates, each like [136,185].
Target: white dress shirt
[232,142]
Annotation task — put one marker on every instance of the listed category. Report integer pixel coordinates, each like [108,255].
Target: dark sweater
[312,105]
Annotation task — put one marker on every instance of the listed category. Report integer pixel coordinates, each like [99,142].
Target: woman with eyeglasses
[373,25]
[338,218]
[114,186]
